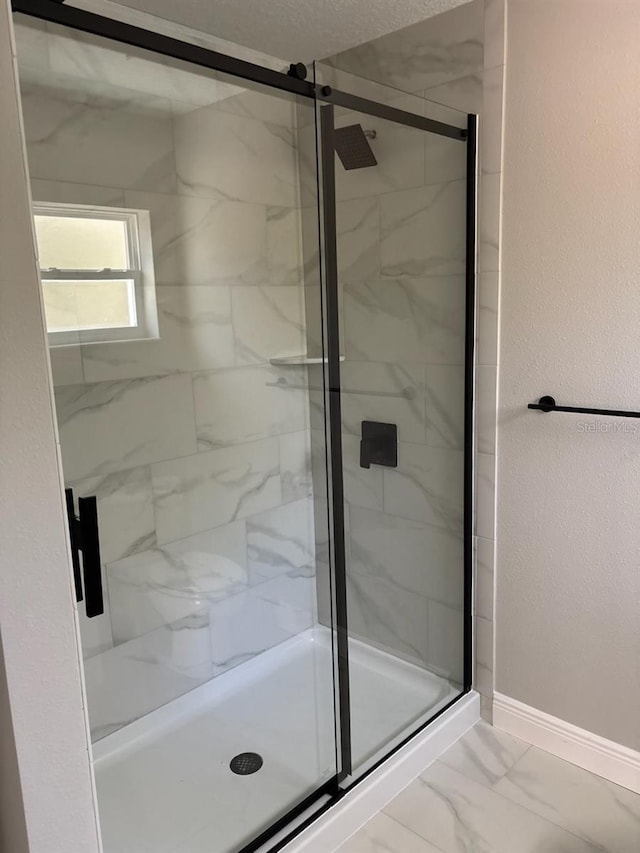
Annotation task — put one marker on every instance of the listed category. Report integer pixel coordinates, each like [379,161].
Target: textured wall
[568,591]
[39,640]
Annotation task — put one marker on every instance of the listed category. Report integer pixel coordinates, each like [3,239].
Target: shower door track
[55,11]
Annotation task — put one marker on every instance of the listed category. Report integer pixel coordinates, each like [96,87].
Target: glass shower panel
[400,225]
[208,671]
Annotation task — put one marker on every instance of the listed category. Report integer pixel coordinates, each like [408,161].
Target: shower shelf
[284,360]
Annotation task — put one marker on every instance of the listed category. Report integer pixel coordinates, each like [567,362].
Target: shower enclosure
[258,292]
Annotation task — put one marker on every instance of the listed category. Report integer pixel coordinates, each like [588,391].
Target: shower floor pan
[164,782]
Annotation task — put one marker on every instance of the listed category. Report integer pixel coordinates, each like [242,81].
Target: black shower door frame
[55,11]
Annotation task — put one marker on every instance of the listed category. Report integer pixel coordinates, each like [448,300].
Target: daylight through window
[97,273]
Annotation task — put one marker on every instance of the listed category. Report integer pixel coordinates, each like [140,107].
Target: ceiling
[295,30]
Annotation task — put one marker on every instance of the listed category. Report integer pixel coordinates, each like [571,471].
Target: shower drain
[246,763]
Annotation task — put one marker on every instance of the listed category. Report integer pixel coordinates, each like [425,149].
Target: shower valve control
[379,444]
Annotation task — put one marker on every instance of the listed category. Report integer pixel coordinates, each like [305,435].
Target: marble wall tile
[390,393]
[387,616]
[125,511]
[220,155]
[111,426]
[491,120]
[134,678]
[408,215]
[408,555]
[444,159]
[494,32]
[487,322]
[194,493]
[446,641]
[362,486]
[427,54]
[486,379]
[463,94]
[200,241]
[32,47]
[427,486]
[164,584]
[244,625]
[456,813]
[87,57]
[249,403]
[485,495]
[268,322]
[489,225]
[267,106]
[68,132]
[281,541]
[95,633]
[406,320]
[65,192]
[295,466]
[357,239]
[484,593]
[444,405]
[398,149]
[66,365]
[195,333]
[284,247]
[484,656]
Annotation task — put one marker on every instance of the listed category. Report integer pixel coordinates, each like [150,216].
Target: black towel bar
[548,404]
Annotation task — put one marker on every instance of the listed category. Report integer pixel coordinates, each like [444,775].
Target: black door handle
[83,534]
[73,539]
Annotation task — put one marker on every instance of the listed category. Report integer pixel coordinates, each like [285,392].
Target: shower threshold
[164,782]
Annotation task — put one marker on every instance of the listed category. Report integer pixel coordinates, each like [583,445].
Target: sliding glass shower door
[257,292]
[398,222]
[169,221]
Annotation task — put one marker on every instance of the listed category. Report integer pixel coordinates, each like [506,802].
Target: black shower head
[352,147]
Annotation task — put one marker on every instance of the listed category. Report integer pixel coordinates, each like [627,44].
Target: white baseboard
[371,795]
[605,758]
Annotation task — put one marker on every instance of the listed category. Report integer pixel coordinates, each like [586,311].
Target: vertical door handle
[72,521]
[83,536]
[88,522]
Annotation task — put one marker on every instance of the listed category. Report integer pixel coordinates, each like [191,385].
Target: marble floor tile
[602,813]
[484,754]
[459,815]
[383,834]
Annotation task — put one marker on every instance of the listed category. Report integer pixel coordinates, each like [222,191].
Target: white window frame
[142,297]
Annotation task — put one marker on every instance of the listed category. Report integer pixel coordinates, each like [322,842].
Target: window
[96,268]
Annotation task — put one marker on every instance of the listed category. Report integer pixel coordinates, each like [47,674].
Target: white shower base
[164,784]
